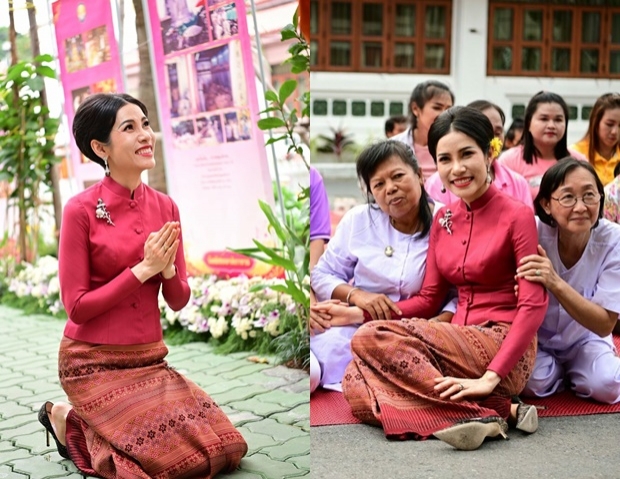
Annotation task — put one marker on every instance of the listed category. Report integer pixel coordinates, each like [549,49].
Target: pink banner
[216,164]
[89,63]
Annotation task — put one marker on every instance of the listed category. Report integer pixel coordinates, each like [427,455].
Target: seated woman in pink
[454,380]
[504,179]
[544,139]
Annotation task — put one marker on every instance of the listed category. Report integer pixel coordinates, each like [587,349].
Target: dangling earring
[107,168]
[443,189]
[489,179]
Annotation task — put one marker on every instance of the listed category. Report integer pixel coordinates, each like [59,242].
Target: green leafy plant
[292,235]
[26,144]
[292,255]
[295,207]
[279,117]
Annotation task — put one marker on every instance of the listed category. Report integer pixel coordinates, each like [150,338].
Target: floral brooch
[446,221]
[102,213]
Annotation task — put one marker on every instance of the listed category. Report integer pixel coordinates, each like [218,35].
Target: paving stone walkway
[270,405]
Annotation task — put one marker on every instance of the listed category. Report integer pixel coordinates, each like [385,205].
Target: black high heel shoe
[44,418]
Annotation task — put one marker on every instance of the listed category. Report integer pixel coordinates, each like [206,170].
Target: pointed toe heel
[470,435]
[527,418]
[44,419]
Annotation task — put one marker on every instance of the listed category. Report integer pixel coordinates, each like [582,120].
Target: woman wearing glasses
[578,262]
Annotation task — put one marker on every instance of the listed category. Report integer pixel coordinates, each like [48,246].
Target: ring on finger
[537,272]
[461,387]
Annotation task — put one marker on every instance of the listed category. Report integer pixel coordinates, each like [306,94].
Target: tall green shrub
[26,144]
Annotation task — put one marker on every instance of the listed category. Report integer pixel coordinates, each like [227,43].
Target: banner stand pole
[121,39]
[262,81]
[149,38]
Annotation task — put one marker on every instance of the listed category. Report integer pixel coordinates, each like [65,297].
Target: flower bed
[238,314]
[33,288]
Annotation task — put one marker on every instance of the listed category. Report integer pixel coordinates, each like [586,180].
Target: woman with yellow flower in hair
[504,179]
[454,380]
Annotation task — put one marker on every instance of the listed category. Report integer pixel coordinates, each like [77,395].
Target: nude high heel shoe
[470,435]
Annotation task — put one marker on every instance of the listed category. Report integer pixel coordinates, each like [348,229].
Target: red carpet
[329,408]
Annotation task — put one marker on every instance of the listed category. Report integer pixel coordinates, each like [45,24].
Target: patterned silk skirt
[390,382]
[134,416]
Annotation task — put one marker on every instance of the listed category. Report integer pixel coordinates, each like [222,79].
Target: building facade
[367,56]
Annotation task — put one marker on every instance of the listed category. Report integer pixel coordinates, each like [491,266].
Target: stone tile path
[270,405]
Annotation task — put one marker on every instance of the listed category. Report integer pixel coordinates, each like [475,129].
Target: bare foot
[58,418]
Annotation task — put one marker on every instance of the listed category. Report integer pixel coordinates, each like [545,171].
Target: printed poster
[216,164]
[89,63]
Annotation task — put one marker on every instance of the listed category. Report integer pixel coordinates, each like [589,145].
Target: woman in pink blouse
[504,179]
[419,378]
[544,139]
[129,413]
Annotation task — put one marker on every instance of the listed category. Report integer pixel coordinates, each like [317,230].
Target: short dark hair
[554,178]
[529,149]
[392,121]
[463,119]
[482,105]
[517,124]
[95,118]
[374,155]
[424,92]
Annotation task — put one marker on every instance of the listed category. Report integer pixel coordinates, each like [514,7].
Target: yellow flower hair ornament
[496,147]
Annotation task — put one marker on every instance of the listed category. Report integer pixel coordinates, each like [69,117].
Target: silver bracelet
[349,295]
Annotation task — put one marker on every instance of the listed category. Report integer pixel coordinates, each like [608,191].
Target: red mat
[329,408]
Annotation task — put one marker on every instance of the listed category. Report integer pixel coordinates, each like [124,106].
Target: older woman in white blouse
[378,253]
[579,263]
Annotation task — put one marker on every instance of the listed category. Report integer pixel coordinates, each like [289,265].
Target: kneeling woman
[455,380]
[578,261]
[130,414]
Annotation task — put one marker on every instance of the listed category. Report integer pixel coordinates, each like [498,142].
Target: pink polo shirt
[506,181]
[425,160]
[104,300]
[533,173]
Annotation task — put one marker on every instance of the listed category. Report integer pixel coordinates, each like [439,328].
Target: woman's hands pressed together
[160,250]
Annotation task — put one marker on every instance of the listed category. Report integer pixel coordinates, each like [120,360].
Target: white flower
[171,316]
[272,327]
[218,327]
[54,285]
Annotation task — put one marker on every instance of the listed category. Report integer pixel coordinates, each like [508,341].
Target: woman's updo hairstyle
[95,118]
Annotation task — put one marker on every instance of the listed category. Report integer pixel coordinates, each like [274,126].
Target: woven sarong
[390,381]
[134,416]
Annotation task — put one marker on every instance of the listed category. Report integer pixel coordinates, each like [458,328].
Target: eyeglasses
[569,201]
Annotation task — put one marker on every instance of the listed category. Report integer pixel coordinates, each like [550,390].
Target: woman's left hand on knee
[457,389]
